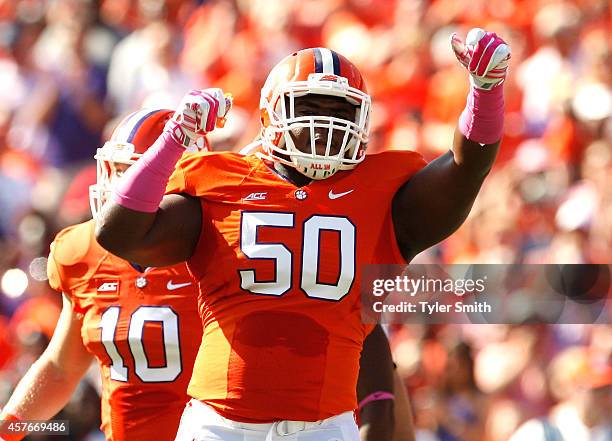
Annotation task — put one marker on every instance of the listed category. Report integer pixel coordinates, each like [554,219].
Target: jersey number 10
[169,321]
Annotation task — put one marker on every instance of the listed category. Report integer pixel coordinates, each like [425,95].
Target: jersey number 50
[283,258]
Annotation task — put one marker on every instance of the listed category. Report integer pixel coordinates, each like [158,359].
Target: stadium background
[68,68]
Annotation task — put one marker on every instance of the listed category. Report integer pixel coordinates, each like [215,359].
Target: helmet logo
[329,78]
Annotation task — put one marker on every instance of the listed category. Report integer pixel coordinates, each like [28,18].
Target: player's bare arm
[149,228]
[404,421]
[375,388]
[436,200]
[385,408]
[48,385]
[162,238]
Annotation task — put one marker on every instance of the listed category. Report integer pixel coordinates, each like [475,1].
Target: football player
[139,323]
[276,241]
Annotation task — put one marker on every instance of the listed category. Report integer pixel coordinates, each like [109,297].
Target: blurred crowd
[69,68]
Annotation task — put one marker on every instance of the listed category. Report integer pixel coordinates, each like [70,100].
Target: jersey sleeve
[399,166]
[191,175]
[387,171]
[177,183]
[199,174]
[53,271]
[67,254]
[391,170]
[416,161]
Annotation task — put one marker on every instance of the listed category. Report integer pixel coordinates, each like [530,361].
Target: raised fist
[199,112]
[484,55]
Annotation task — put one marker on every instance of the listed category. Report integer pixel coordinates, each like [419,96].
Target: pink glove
[485,56]
[197,114]
[142,186]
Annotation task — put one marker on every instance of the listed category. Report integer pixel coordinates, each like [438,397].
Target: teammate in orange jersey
[140,324]
[277,241]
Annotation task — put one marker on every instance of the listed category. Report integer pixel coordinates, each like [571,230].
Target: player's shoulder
[210,161]
[392,164]
[205,173]
[396,158]
[72,256]
[74,244]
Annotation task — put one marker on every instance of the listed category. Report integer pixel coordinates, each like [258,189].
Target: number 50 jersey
[279,273]
[142,327]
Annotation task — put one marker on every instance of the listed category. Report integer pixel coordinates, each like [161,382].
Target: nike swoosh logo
[333,195]
[172,286]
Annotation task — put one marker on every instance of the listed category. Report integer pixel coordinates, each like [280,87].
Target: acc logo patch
[108,286]
[256,196]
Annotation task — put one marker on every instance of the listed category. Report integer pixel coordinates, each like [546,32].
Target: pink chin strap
[482,120]
[143,185]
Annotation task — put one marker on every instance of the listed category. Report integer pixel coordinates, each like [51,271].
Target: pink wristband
[376,396]
[482,120]
[143,185]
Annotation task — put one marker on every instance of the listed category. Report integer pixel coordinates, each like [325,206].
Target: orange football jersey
[279,274]
[142,327]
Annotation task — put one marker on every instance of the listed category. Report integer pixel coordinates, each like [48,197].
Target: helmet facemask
[277,138]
